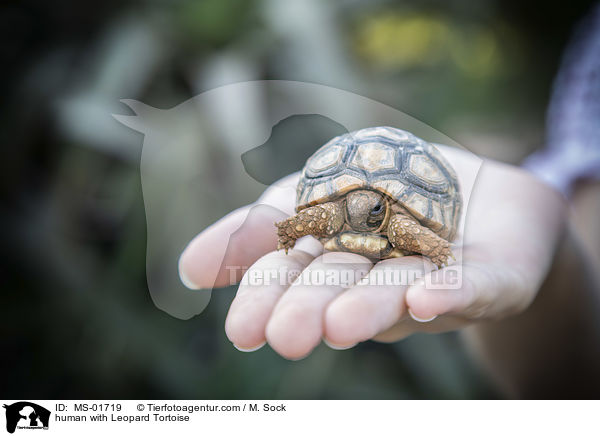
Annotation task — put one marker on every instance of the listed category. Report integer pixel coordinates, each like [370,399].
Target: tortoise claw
[285,240]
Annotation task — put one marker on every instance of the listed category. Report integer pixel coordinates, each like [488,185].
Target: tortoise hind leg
[407,234]
[322,220]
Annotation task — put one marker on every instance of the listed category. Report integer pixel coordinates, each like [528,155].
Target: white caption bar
[282,418]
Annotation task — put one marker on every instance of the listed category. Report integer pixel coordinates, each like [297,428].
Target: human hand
[512,224]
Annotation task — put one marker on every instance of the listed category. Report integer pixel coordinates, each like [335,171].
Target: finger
[217,255]
[373,305]
[261,287]
[296,325]
[473,290]
[282,194]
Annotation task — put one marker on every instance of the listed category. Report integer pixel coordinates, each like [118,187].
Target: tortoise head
[366,210]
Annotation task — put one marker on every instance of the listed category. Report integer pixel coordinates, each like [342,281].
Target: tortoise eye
[377,209]
[376,216]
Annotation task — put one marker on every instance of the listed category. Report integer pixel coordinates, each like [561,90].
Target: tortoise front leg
[407,234]
[322,220]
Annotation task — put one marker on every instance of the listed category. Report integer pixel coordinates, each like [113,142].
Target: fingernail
[185,279]
[249,350]
[416,318]
[296,359]
[338,347]
[187,282]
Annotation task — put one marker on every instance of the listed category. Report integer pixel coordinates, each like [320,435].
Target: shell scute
[393,161]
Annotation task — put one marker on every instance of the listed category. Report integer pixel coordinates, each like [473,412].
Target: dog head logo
[26,415]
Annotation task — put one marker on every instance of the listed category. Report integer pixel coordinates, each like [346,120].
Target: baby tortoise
[380,192]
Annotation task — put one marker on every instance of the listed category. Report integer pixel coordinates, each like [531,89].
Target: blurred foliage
[77,317]
[214,22]
[401,40]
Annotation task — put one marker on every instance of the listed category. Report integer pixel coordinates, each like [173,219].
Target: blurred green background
[77,318]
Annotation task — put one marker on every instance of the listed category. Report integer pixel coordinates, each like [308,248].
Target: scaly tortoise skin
[380,192]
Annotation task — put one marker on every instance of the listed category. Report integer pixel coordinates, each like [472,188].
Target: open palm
[511,225]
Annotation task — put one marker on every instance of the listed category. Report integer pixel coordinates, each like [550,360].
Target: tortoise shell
[407,169]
